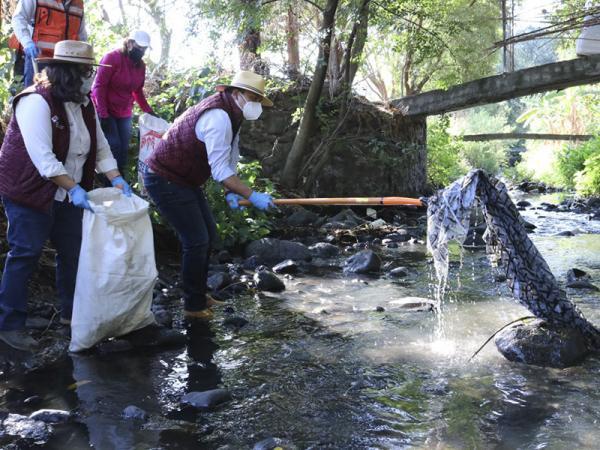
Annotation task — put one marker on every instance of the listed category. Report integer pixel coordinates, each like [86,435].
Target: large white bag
[117,271]
[151,130]
[588,42]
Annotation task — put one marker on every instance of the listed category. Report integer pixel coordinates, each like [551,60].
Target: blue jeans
[187,211]
[118,135]
[28,230]
[28,72]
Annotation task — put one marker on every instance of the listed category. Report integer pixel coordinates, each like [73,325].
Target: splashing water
[508,244]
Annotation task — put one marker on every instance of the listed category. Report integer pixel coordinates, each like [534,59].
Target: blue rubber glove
[233,200]
[79,197]
[120,183]
[261,200]
[31,50]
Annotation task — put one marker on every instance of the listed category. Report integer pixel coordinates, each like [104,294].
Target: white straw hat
[248,81]
[73,52]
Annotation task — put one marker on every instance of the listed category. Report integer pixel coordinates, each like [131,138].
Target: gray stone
[218,281]
[362,262]
[206,399]
[267,281]
[51,415]
[273,443]
[581,284]
[539,344]
[163,318]
[414,304]
[302,217]
[398,272]
[324,250]
[287,266]
[134,413]
[24,427]
[575,274]
[269,250]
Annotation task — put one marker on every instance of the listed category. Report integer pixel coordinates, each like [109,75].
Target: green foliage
[443,153]
[239,227]
[571,159]
[588,180]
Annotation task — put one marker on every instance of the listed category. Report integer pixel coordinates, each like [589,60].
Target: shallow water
[318,366]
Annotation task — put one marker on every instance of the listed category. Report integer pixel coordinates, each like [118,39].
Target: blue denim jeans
[28,231]
[28,72]
[187,211]
[118,135]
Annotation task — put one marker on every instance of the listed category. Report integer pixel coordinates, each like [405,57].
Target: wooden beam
[538,136]
[548,77]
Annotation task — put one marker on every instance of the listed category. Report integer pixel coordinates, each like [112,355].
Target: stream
[319,366]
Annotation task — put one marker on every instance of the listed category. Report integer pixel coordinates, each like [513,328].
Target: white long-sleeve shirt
[215,130]
[33,117]
[23,18]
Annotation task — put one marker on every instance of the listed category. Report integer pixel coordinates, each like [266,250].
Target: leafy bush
[571,160]
[588,180]
[489,156]
[443,153]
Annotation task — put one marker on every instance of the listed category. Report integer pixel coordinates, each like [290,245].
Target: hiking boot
[211,301]
[204,314]
[18,339]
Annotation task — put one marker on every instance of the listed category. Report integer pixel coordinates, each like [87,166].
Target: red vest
[180,156]
[20,181]
[56,20]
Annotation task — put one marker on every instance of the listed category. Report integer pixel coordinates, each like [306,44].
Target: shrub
[587,181]
[571,160]
[443,153]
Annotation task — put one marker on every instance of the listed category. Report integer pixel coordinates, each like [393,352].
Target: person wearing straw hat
[52,147]
[116,88]
[203,143]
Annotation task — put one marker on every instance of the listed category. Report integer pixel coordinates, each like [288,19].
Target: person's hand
[31,50]
[79,197]
[120,183]
[233,200]
[261,200]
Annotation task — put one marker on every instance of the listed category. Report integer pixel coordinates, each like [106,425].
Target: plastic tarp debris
[117,270]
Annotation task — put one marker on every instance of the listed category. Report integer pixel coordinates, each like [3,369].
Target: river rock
[236,322]
[267,281]
[581,284]
[523,203]
[324,250]
[413,304]
[398,236]
[274,443]
[269,250]
[398,272]
[206,399]
[51,415]
[348,218]
[575,274]
[565,233]
[363,262]
[134,413]
[301,217]
[218,281]
[287,266]
[539,344]
[163,318]
[25,428]
[251,262]
[528,225]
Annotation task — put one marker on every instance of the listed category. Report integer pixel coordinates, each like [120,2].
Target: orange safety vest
[55,20]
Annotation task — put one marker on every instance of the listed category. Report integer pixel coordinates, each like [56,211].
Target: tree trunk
[159,17]
[356,44]
[294,159]
[293,47]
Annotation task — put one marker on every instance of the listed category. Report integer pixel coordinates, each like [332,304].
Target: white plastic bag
[117,271]
[151,130]
[588,42]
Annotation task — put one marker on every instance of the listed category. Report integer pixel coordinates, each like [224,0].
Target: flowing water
[319,367]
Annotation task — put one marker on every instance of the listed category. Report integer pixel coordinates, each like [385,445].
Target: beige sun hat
[248,81]
[72,52]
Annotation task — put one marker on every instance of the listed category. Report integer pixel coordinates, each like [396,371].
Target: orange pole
[356,201]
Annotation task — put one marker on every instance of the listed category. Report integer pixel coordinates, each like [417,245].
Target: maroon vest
[180,156]
[20,181]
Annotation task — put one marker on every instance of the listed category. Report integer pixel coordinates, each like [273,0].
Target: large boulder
[273,251]
[540,344]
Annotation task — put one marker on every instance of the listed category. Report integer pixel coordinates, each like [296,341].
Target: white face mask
[86,85]
[251,110]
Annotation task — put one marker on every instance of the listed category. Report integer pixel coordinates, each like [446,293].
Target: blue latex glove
[233,200]
[79,197]
[120,183]
[261,200]
[31,50]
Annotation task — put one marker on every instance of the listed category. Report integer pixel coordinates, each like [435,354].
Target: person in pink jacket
[115,89]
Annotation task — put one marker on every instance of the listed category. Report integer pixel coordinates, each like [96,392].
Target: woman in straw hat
[51,149]
[203,142]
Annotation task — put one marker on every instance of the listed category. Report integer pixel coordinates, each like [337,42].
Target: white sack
[151,130]
[117,271]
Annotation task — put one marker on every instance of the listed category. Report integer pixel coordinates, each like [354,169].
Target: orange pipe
[356,201]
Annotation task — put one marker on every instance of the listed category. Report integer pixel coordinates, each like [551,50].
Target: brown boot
[204,314]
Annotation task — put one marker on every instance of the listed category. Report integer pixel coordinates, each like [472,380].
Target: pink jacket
[116,87]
